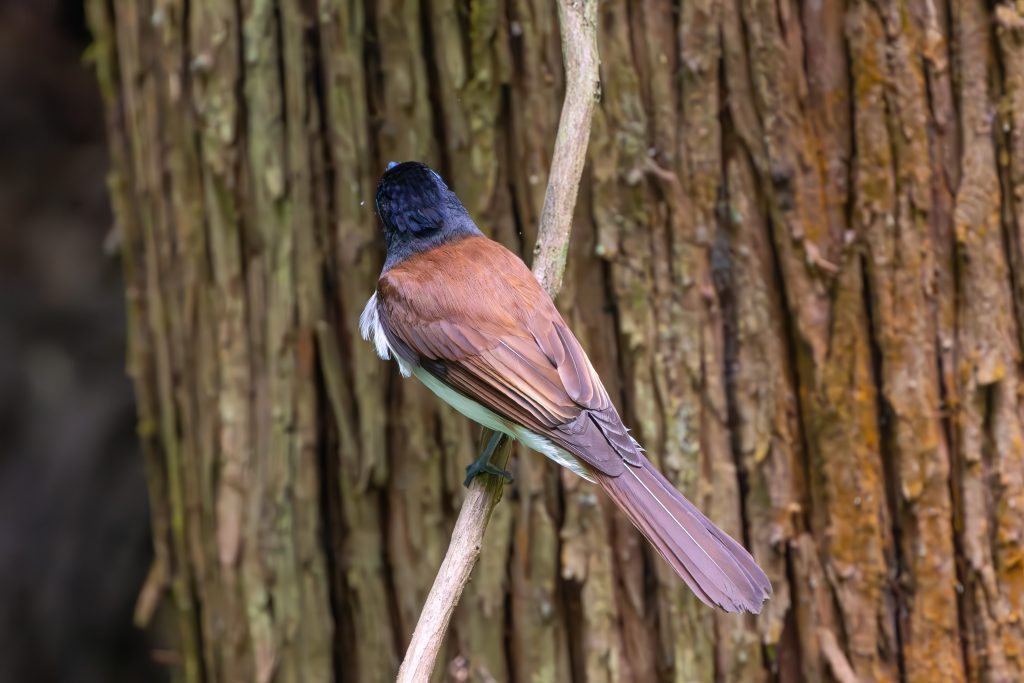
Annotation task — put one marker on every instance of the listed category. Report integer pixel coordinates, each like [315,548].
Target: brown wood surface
[796,264]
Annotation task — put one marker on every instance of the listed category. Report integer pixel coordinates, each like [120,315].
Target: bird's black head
[418,210]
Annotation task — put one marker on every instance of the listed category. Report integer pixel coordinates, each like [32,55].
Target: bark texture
[796,262]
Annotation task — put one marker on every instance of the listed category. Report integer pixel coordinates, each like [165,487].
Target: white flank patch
[370,328]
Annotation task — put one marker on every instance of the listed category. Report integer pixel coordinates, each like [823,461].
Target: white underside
[369,326]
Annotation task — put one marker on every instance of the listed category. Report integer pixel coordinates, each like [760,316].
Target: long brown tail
[717,568]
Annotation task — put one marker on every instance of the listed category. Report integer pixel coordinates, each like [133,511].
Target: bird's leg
[483,464]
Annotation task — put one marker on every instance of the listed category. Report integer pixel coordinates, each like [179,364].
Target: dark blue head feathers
[410,197]
[418,211]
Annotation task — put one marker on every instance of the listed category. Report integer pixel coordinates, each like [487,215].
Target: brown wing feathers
[471,314]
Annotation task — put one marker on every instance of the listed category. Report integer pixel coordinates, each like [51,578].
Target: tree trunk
[797,264]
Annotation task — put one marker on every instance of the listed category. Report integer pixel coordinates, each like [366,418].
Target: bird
[466,317]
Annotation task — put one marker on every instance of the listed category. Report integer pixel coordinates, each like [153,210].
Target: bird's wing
[519,360]
[473,316]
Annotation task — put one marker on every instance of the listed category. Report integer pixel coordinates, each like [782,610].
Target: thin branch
[578,25]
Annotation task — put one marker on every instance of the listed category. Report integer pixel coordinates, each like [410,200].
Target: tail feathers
[718,569]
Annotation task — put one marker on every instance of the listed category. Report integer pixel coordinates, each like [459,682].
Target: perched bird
[467,318]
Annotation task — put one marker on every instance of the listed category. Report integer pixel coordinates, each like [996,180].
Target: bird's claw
[475,469]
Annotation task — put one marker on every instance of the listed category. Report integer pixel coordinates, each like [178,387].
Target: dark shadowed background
[74,525]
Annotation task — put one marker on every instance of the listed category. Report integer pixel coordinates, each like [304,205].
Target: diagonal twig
[578,28]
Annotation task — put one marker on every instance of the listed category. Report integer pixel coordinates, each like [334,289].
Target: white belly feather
[370,328]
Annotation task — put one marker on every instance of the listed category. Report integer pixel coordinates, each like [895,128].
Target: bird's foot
[477,468]
[483,465]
